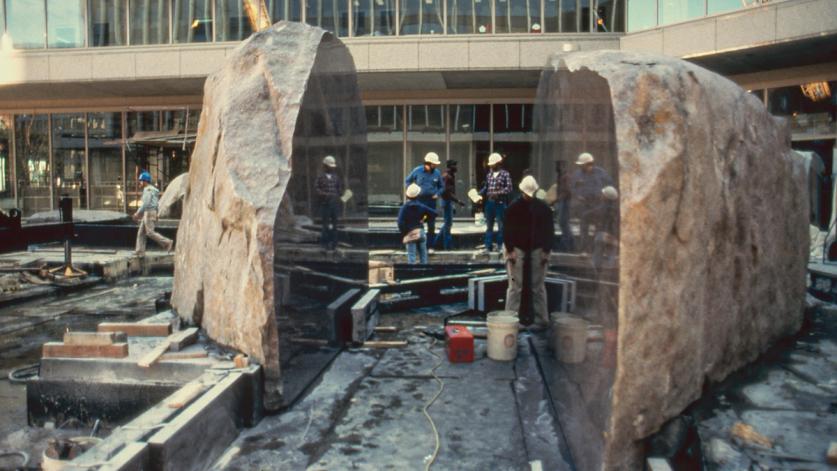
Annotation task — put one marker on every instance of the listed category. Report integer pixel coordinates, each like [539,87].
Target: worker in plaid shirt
[495,193]
[329,187]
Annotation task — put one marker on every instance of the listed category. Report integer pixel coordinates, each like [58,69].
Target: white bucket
[500,314]
[502,338]
[569,338]
[54,463]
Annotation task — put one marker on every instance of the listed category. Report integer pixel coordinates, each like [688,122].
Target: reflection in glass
[469,16]
[518,16]
[672,11]
[65,19]
[470,127]
[104,144]
[290,10]
[68,157]
[720,6]
[385,157]
[332,15]
[5,158]
[610,16]
[107,23]
[192,21]
[810,116]
[422,17]
[142,149]
[513,138]
[149,21]
[32,162]
[231,20]
[26,20]
[373,17]
[642,14]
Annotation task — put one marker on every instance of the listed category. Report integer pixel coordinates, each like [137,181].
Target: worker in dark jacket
[448,200]
[528,234]
[411,219]
[329,187]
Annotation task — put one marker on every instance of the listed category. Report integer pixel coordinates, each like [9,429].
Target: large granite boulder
[714,235]
[240,175]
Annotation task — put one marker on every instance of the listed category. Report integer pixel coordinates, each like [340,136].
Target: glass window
[470,144]
[65,21]
[5,161]
[149,21]
[642,14]
[231,20]
[672,11]
[518,16]
[373,17]
[290,10]
[32,163]
[575,16]
[26,21]
[811,109]
[422,16]
[2,18]
[513,138]
[107,23]
[720,6]
[68,157]
[192,22]
[385,160]
[143,148]
[332,15]
[610,16]
[469,16]
[104,147]
[425,133]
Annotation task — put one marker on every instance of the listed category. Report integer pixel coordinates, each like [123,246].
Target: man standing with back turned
[528,237]
[148,213]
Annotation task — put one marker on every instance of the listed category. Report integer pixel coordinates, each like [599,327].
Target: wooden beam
[384,344]
[184,355]
[60,350]
[151,357]
[133,329]
[94,338]
[181,339]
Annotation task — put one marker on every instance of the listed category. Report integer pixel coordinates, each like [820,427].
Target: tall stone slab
[239,174]
[713,236]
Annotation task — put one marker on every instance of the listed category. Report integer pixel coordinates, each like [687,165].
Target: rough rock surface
[174,193]
[238,177]
[714,236]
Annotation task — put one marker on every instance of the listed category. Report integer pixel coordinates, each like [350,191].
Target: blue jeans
[328,214]
[444,231]
[565,242]
[419,246]
[494,211]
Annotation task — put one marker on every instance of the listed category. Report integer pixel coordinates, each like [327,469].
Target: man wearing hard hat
[410,224]
[328,188]
[587,183]
[429,181]
[147,215]
[528,235]
[495,191]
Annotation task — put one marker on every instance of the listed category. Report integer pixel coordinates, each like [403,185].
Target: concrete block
[157,64]
[689,38]
[360,54]
[70,67]
[115,270]
[114,65]
[134,457]
[795,19]
[493,54]
[650,42]
[364,315]
[534,54]
[200,62]
[393,56]
[750,27]
[448,55]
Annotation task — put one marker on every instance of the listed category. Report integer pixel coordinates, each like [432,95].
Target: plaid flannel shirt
[328,187]
[501,184]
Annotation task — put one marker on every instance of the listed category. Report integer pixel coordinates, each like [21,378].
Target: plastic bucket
[569,338]
[502,338]
[51,462]
[500,314]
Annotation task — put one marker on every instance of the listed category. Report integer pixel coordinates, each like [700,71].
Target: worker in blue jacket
[429,180]
[410,219]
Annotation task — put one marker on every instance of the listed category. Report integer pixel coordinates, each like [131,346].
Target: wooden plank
[386,329]
[384,344]
[185,395]
[133,329]
[181,339]
[184,355]
[59,350]
[93,338]
[151,357]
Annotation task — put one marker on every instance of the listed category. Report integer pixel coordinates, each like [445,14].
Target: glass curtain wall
[721,6]
[469,16]
[106,23]
[425,133]
[332,15]
[142,127]
[609,16]
[373,17]
[518,16]
[385,150]
[68,157]
[65,23]
[104,147]
[470,144]
[192,21]
[642,14]
[149,21]
[26,20]
[422,17]
[672,11]
[231,20]
[513,138]
[6,183]
[32,163]
[290,10]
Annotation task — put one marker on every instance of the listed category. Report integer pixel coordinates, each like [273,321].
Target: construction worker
[329,187]
[528,240]
[587,183]
[495,193]
[147,213]
[410,218]
[429,180]
[448,199]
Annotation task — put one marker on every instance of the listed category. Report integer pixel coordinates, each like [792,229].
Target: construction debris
[749,435]
[62,350]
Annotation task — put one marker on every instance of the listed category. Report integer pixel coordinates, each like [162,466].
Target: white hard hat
[528,185]
[432,158]
[584,158]
[413,190]
[610,193]
[329,161]
[494,159]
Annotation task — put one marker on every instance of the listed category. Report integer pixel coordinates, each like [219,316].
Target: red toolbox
[459,344]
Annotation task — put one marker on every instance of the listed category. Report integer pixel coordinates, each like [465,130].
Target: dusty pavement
[366,412]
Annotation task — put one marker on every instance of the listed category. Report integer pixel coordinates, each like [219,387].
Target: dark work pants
[328,215]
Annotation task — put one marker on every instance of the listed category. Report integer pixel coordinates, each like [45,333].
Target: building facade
[93,91]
